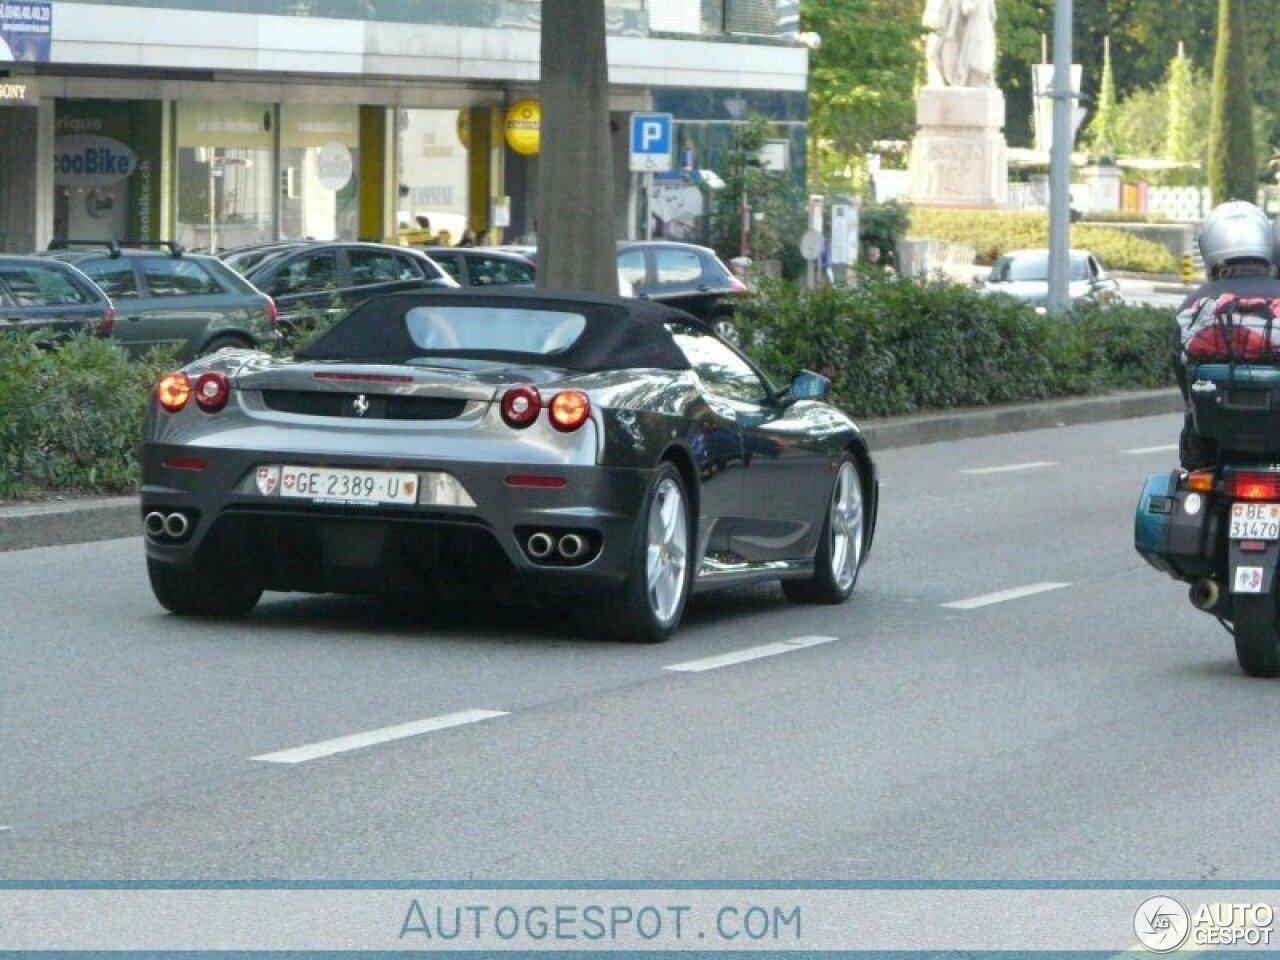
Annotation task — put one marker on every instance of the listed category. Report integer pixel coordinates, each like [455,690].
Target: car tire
[651,601]
[194,591]
[840,550]
[722,326]
[222,342]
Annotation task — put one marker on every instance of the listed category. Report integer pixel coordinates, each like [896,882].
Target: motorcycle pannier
[1237,406]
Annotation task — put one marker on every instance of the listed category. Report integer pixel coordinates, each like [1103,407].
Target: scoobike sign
[85,160]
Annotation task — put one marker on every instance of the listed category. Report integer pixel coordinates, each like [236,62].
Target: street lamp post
[1060,160]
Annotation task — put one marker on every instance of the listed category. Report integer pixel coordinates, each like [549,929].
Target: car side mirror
[807,385]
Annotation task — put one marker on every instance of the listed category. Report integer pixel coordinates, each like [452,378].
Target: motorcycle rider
[1237,244]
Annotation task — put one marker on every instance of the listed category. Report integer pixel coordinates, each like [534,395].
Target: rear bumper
[298,544]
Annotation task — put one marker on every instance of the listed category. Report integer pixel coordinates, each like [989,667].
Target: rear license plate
[1255,521]
[348,486]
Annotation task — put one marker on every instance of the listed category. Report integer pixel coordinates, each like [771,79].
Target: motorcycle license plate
[1255,521]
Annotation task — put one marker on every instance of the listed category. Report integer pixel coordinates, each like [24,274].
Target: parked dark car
[332,278]
[36,293]
[683,275]
[168,297]
[484,267]
[608,451]
[243,259]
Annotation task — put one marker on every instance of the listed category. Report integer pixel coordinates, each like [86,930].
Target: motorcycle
[1218,528]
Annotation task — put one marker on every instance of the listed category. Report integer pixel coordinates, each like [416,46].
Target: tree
[1179,140]
[1232,168]
[1102,129]
[777,210]
[861,78]
[576,237]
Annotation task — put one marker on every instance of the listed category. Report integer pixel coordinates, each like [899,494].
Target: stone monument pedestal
[958,156]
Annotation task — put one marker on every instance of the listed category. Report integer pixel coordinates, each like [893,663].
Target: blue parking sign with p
[651,142]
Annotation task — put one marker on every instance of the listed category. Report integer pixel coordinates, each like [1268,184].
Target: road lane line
[1015,593]
[327,748]
[1163,448]
[1011,467]
[750,653]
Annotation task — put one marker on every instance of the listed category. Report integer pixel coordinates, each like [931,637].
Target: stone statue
[961,48]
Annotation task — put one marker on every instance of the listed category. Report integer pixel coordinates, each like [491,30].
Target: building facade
[218,123]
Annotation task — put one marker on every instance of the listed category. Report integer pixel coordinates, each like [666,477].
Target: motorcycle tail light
[1253,485]
[569,410]
[1200,481]
[212,390]
[521,406]
[173,391]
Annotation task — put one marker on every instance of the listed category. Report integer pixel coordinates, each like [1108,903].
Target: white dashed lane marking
[1010,467]
[750,653]
[356,741]
[1015,593]
[1142,451]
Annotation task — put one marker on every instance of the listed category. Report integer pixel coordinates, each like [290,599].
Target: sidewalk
[60,522]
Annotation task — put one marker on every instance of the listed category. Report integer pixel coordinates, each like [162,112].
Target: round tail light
[173,392]
[569,410]
[521,406]
[212,390]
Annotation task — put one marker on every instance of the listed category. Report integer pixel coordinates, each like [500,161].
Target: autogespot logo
[1161,924]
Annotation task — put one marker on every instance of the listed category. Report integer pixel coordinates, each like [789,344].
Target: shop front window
[319,160]
[225,175]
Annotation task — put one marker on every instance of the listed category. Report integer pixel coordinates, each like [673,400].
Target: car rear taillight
[521,406]
[1253,485]
[173,391]
[273,313]
[108,321]
[737,287]
[569,410]
[212,390]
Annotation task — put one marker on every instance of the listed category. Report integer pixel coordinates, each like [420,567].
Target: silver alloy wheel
[846,526]
[667,553]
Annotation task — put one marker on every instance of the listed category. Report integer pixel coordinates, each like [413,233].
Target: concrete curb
[981,422]
[60,522]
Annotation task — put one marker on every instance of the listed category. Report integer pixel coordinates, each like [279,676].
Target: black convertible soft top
[619,333]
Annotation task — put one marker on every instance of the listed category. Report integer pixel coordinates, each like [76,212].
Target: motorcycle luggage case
[1173,529]
[1238,407]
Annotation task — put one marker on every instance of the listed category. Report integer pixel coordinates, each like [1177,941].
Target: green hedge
[992,233]
[71,419]
[899,347]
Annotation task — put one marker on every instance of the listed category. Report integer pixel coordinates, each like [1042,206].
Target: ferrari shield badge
[268,479]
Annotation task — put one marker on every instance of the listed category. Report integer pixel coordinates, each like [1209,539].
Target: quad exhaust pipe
[159,526]
[549,547]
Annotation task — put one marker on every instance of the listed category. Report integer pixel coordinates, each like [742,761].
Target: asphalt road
[1089,726]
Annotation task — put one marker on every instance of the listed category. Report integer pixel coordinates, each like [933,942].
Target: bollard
[1187,268]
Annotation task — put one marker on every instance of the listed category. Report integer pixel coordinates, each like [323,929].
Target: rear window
[452,328]
[167,277]
[34,285]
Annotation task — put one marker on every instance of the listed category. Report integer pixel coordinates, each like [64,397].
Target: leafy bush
[900,347]
[992,233]
[71,418]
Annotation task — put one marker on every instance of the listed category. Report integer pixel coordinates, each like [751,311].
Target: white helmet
[1235,230]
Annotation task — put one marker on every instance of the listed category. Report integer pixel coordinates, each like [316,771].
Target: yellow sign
[524,127]
[464,128]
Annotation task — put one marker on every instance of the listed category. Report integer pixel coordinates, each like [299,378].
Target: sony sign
[18,93]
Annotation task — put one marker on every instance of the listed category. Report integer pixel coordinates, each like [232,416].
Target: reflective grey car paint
[757,505]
